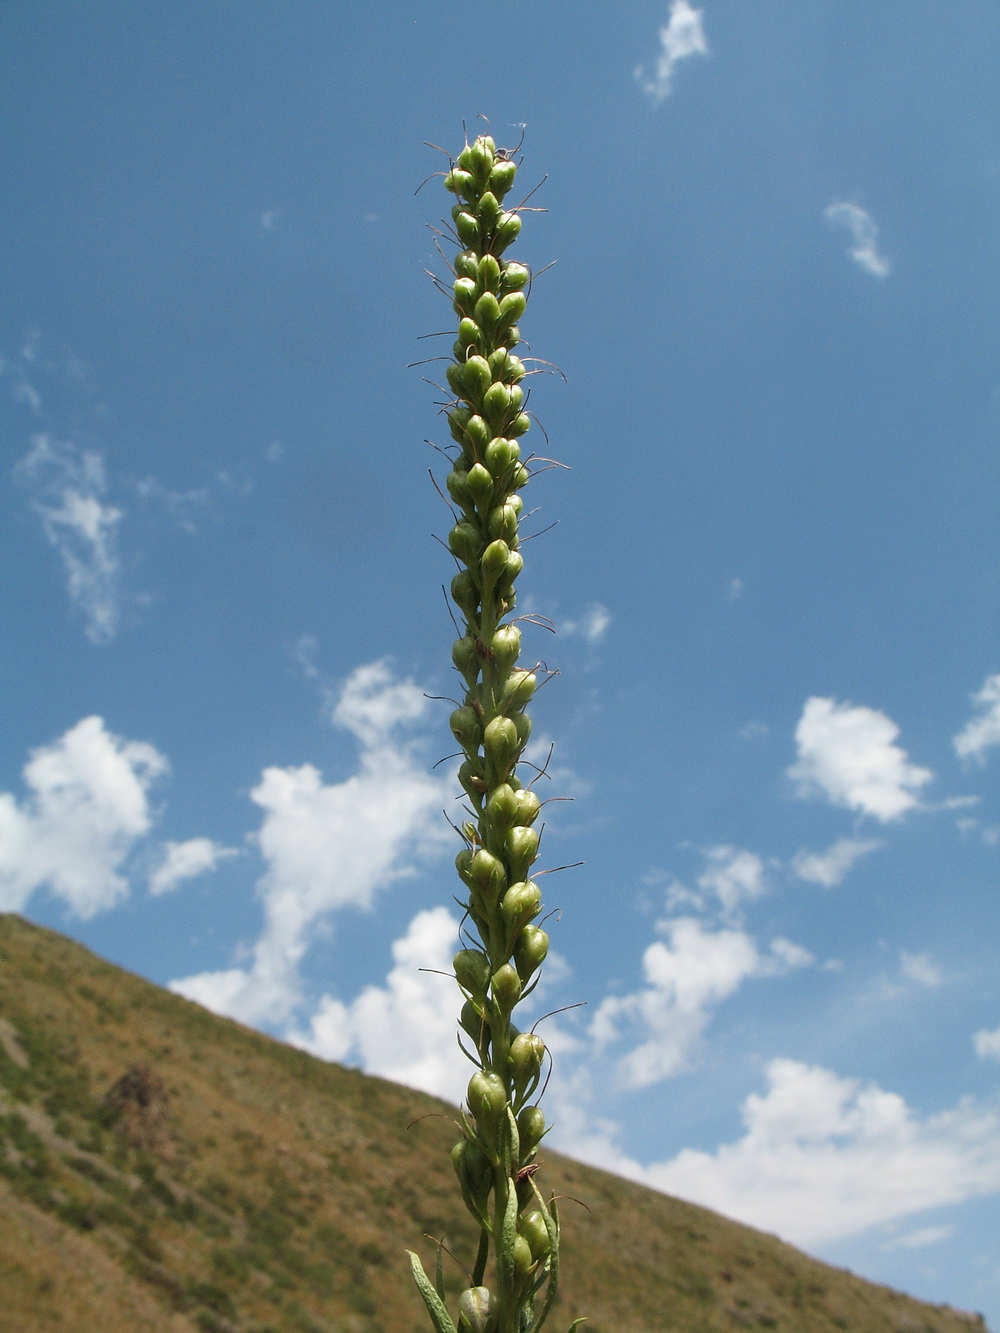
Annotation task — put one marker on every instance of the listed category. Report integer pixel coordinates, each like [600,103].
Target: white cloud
[185,860]
[687,975]
[982,732]
[88,805]
[919,1239]
[864,233]
[831,865]
[987,1044]
[268,221]
[734,875]
[825,1157]
[592,625]
[68,487]
[681,38]
[848,754]
[920,967]
[734,589]
[328,846]
[407,1029]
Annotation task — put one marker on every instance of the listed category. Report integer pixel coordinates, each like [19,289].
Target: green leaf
[436,1307]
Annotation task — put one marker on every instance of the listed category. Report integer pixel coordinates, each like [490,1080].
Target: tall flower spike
[497,1158]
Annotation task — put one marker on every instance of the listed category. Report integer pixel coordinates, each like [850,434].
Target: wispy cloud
[591,626]
[982,732]
[186,860]
[830,866]
[921,968]
[848,754]
[987,1044]
[67,487]
[87,806]
[864,234]
[680,38]
[329,846]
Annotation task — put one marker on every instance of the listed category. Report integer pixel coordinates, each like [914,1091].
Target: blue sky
[774,573]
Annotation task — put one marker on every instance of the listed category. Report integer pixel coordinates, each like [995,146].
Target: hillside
[164,1169]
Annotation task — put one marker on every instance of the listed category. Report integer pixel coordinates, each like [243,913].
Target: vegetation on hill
[164,1169]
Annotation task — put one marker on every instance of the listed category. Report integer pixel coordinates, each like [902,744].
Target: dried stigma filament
[496,1158]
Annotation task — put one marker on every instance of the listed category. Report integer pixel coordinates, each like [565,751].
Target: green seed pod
[465,295]
[466,264]
[519,689]
[479,160]
[503,522]
[532,1227]
[494,562]
[497,405]
[522,1261]
[458,489]
[502,807]
[465,593]
[512,308]
[477,433]
[472,777]
[473,377]
[527,1052]
[489,210]
[502,178]
[487,1099]
[467,227]
[506,233]
[506,645]
[520,903]
[466,542]
[512,337]
[506,988]
[458,418]
[466,659]
[530,950]
[488,273]
[515,276]
[477,1311]
[487,312]
[458,182]
[522,725]
[480,484]
[475,1175]
[466,727]
[501,456]
[528,806]
[463,861]
[501,743]
[472,970]
[469,334]
[474,1021]
[487,874]
[531,1127]
[520,426]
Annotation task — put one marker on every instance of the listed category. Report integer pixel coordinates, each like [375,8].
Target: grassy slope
[279,1192]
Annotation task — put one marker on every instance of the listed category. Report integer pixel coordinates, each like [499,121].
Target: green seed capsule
[465,295]
[465,542]
[457,482]
[477,1311]
[465,594]
[463,861]
[477,433]
[469,334]
[480,484]
[513,336]
[506,989]
[475,378]
[522,1260]
[519,689]
[466,727]
[512,308]
[494,562]
[488,273]
[519,426]
[487,1098]
[473,1021]
[497,404]
[489,210]
[515,276]
[522,725]
[531,1128]
[502,178]
[503,522]
[506,232]
[527,1052]
[473,778]
[487,311]
[515,563]
[530,950]
[505,646]
[466,264]
[501,807]
[479,161]
[459,182]
[465,658]
[500,456]
[486,873]
[501,743]
[458,418]
[519,904]
[532,1227]
[467,227]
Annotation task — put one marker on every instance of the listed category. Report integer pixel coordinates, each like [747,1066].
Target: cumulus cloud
[825,1157]
[68,486]
[681,38]
[592,625]
[864,234]
[983,731]
[689,973]
[920,967]
[328,846]
[733,875]
[185,860]
[830,866]
[848,754]
[87,805]
[987,1044]
[406,1029]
